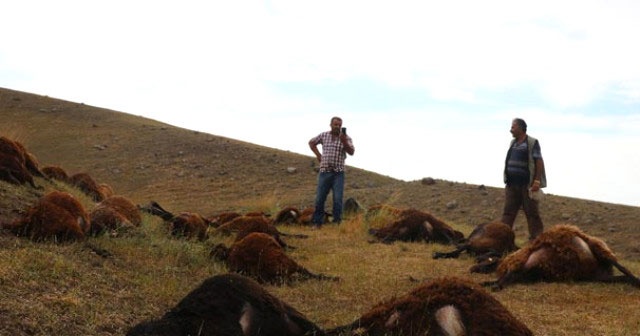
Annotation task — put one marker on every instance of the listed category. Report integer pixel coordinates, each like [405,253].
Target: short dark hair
[521,123]
[335,118]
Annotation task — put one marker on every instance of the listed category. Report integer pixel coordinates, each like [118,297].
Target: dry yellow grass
[68,289]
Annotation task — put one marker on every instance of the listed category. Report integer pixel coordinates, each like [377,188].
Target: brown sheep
[489,242]
[259,256]
[87,185]
[223,217]
[445,306]
[229,305]
[562,253]
[17,150]
[416,225]
[245,225]
[105,190]
[56,215]
[306,216]
[115,213]
[56,173]
[186,224]
[12,171]
[288,215]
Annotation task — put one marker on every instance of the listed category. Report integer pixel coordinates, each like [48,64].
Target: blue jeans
[329,181]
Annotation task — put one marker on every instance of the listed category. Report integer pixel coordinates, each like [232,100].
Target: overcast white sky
[425,88]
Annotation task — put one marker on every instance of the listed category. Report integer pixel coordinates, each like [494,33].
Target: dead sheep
[25,158]
[445,306]
[562,253]
[416,225]
[244,225]
[306,216]
[55,216]
[56,173]
[229,305]
[186,224]
[115,213]
[12,171]
[87,185]
[259,256]
[288,215]
[489,242]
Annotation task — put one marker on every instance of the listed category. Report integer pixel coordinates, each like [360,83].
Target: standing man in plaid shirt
[336,144]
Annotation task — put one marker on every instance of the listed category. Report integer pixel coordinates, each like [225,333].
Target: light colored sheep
[562,253]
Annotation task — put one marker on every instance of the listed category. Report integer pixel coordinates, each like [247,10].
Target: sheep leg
[628,276]
[307,274]
[453,254]
[294,235]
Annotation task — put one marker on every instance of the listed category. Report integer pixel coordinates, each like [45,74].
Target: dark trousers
[517,197]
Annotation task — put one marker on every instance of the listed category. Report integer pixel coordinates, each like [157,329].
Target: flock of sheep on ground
[237,304]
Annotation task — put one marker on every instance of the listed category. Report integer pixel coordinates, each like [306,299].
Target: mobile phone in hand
[344,130]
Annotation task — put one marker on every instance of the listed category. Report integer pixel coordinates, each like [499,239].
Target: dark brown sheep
[56,215]
[25,158]
[116,213]
[185,224]
[87,185]
[259,256]
[229,305]
[562,253]
[488,242]
[416,225]
[288,215]
[56,173]
[445,306]
[12,171]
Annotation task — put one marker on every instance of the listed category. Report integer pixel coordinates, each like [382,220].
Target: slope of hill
[104,285]
[193,171]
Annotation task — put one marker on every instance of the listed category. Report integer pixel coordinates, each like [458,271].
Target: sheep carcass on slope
[229,305]
[446,306]
[562,253]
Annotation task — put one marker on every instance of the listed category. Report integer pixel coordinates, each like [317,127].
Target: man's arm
[314,148]
[347,144]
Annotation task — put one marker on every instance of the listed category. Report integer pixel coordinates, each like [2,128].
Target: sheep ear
[246,318]
[450,321]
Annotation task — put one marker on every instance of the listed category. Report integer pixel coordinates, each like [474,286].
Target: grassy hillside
[70,290]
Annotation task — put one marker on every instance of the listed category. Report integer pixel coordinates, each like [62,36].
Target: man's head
[336,124]
[518,127]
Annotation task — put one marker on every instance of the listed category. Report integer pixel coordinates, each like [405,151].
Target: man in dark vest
[524,175]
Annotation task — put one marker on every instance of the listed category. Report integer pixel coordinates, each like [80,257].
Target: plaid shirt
[333,153]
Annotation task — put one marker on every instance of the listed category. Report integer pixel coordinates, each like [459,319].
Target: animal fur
[489,242]
[229,305]
[445,306]
[116,213]
[244,225]
[259,256]
[288,215]
[87,185]
[56,173]
[55,216]
[186,224]
[562,253]
[416,225]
